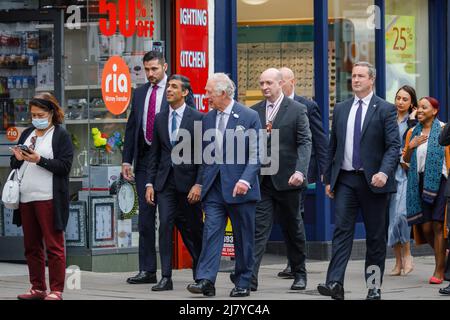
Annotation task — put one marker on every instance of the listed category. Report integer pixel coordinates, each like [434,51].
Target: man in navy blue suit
[175,177]
[362,157]
[148,100]
[230,186]
[317,162]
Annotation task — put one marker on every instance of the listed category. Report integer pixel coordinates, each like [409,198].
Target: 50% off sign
[129,15]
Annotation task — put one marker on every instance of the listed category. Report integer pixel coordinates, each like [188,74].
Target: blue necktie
[356,160]
[174,128]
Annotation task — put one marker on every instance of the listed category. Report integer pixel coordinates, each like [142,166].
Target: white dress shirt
[348,152]
[179,116]
[226,115]
[159,97]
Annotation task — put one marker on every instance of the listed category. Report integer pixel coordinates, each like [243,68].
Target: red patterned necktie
[151,114]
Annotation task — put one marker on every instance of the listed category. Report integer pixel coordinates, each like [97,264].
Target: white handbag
[11,191]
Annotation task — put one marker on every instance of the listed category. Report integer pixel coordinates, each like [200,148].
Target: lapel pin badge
[235,115]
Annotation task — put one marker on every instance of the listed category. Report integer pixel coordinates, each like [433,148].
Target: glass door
[26,67]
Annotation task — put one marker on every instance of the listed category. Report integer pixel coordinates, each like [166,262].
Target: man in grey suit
[362,157]
[280,191]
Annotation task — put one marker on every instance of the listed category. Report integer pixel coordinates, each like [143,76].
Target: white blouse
[37,182]
[422,157]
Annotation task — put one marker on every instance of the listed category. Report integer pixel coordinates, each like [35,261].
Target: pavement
[112,286]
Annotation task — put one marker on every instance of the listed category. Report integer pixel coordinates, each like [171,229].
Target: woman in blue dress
[399,232]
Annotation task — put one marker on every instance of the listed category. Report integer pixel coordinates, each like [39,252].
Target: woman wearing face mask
[44,195]
[399,231]
[427,176]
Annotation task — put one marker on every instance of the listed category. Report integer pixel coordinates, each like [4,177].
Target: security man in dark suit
[148,100]
[175,179]
[362,157]
[317,163]
[280,194]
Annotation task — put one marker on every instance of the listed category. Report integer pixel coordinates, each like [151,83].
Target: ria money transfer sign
[192,46]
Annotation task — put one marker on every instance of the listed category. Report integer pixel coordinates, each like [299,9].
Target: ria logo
[116,85]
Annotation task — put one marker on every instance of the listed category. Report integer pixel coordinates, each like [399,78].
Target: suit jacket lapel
[232,120]
[261,109]
[281,113]
[369,114]
[165,138]
[140,100]
[346,110]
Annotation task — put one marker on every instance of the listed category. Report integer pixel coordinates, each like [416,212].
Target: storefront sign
[401,57]
[131,20]
[12,134]
[192,46]
[116,85]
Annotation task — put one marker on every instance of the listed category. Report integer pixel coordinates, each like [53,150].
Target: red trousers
[37,224]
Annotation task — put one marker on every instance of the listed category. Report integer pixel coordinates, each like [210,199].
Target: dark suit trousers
[284,205]
[352,193]
[174,209]
[146,222]
[243,220]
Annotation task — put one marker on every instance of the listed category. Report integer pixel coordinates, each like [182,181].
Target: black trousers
[174,209]
[284,205]
[146,223]
[352,193]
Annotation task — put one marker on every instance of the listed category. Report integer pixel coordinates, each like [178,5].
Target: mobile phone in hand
[24,148]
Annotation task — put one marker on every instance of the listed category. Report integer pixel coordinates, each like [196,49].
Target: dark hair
[46,101]
[185,82]
[152,55]
[433,101]
[412,93]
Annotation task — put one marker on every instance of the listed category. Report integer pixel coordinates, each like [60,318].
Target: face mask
[40,123]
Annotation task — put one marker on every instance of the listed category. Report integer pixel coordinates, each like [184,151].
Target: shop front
[66,48]
[320,41]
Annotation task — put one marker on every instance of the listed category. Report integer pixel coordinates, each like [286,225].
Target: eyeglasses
[33,142]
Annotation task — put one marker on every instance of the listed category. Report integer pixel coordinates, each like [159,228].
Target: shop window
[407,59]
[274,34]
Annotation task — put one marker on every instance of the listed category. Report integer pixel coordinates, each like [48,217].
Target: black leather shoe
[299,282]
[445,290]
[333,289]
[164,284]
[202,286]
[143,277]
[253,281]
[239,292]
[286,273]
[374,294]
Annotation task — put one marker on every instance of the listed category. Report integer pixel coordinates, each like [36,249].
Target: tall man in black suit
[148,100]
[317,163]
[280,191]
[362,157]
[175,178]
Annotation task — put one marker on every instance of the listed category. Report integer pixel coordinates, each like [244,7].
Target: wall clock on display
[127,198]
[76,226]
[102,221]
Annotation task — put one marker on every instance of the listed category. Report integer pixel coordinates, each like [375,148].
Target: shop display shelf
[95,121]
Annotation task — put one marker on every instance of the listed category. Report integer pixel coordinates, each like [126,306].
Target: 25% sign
[128,24]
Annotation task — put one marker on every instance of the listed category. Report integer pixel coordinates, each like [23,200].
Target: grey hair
[372,70]
[223,83]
